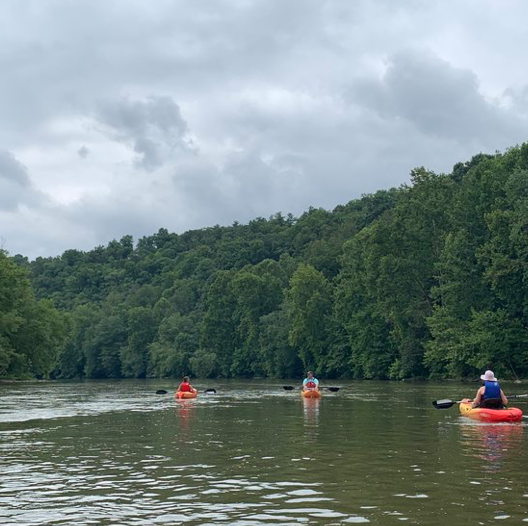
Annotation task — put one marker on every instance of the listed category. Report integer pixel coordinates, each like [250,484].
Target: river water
[116,453]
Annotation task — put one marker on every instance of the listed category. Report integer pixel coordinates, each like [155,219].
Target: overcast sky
[124,116]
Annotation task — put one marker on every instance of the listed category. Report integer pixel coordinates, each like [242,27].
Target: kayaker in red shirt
[186,387]
[490,395]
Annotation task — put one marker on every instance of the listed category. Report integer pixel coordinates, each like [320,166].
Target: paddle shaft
[206,391]
[446,404]
[291,388]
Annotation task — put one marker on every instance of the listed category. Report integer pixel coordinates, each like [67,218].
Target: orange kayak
[311,393]
[512,414]
[183,395]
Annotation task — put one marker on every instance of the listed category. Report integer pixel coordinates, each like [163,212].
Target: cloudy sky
[124,116]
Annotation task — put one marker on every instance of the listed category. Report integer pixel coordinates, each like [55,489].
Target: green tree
[367,330]
[141,330]
[219,334]
[309,299]
[31,332]
[203,364]
[177,341]
[279,358]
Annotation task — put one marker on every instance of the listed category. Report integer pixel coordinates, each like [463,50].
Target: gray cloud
[517,100]
[154,128]
[437,99]
[13,170]
[83,152]
[239,108]
[16,188]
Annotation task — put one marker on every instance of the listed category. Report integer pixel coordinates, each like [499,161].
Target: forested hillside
[430,280]
[32,332]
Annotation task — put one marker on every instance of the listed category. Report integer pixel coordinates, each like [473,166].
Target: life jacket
[491,390]
[185,388]
[310,384]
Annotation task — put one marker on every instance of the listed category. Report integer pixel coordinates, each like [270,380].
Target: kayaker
[490,395]
[185,386]
[310,382]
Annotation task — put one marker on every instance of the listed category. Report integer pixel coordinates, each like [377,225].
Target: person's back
[185,386]
[490,395]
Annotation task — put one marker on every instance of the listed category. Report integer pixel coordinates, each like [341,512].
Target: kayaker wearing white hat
[490,395]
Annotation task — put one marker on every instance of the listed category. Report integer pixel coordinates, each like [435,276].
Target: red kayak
[512,414]
[182,395]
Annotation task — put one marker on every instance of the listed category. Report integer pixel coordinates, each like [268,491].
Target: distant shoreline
[176,379]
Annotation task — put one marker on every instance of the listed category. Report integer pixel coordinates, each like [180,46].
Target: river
[253,454]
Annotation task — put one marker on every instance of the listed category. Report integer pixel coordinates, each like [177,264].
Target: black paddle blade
[210,391]
[161,391]
[443,404]
[333,389]
[288,387]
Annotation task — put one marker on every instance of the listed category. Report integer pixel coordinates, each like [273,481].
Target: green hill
[430,279]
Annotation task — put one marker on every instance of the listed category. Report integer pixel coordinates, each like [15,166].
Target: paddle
[206,391]
[291,388]
[446,404]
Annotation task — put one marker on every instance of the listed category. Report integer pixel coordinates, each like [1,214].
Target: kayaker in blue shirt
[490,395]
[310,383]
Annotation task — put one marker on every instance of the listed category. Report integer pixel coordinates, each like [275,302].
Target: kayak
[512,414]
[313,393]
[179,395]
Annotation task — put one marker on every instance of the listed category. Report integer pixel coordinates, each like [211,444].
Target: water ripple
[106,454]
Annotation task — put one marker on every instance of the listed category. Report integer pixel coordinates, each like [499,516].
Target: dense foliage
[31,332]
[430,280]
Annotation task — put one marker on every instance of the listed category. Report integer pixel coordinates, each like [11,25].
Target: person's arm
[179,388]
[478,398]
[316,381]
[504,399]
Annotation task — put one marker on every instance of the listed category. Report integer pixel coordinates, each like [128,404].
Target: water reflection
[184,411]
[492,443]
[311,412]
[311,418]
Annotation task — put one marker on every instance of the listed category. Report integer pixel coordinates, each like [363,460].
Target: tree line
[427,280]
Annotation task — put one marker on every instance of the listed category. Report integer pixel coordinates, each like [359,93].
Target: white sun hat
[488,376]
